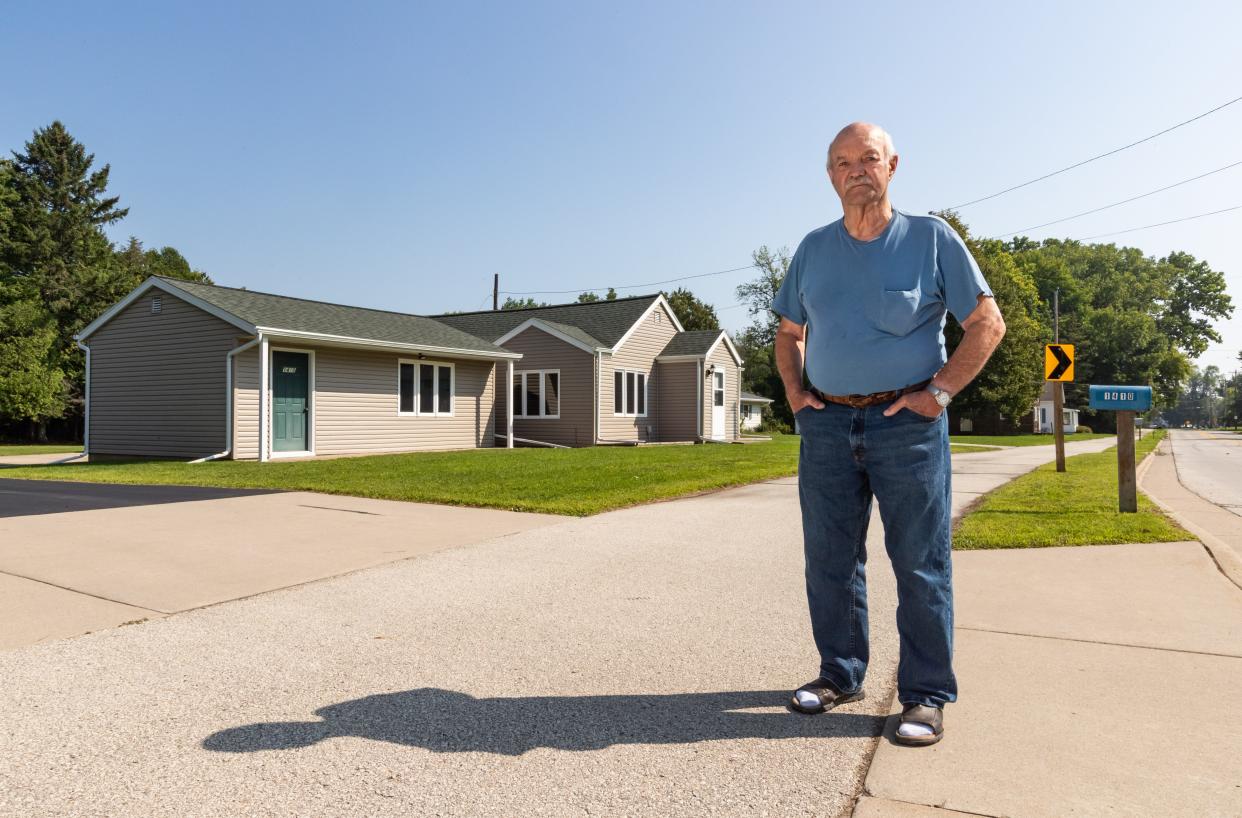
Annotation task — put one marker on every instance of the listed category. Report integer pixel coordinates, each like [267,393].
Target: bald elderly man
[862,314]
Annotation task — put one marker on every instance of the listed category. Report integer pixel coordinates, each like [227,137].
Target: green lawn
[557,481]
[1079,507]
[7,449]
[1020,440]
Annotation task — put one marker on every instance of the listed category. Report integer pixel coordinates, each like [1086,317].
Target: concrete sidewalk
[1094,681]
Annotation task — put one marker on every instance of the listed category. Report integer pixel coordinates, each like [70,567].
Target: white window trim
[310,403]
[625,381]
[520,375]
[435,388]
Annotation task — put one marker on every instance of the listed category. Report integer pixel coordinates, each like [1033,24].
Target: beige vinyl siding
[678,393]
[158,380]
[541,351]
[723,360]
[246,404]
[354,405]
[637,353]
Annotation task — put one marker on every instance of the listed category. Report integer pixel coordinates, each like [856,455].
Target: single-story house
[752,409]
[181,369]
[1045,411]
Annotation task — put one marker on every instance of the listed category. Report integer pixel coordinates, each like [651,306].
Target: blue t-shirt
[875,310]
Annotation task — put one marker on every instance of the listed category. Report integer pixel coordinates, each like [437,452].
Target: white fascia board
[535,323]
[156,283]
[276,333]
[675,358]
[737,356]
[755,400]
[659,302]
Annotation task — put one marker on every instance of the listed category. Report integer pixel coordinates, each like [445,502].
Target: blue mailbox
[1121,398]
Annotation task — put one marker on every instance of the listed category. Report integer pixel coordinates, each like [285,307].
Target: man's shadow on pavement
[445,721]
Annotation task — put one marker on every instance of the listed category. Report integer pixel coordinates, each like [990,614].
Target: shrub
[1082,430]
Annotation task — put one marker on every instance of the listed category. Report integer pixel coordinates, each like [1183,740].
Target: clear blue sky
[387,155]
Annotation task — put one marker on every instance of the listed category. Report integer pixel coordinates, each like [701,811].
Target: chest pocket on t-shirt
[895,310]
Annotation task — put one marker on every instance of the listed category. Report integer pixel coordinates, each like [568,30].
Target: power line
[1123,201]
[1093,158]
[1162,224]
[627,286]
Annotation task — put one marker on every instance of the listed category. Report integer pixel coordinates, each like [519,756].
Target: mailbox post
[1125,401]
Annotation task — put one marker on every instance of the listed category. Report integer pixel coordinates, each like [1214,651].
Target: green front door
[290,401]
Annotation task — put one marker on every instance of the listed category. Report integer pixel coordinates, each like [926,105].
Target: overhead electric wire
[1161,224]
[1115,204]
[626,286]
[1093,158]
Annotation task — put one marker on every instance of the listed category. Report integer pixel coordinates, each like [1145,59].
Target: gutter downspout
[509,408]
[264,374]
[86,421]
[698,411]
[599,386]
[228,393]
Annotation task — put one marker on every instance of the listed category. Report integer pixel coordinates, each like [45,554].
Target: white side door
[718,405]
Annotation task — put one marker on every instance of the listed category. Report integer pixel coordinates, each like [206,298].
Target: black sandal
[827,694]
[932,717]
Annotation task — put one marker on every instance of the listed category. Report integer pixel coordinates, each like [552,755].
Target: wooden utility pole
[1058,398]
[495,291]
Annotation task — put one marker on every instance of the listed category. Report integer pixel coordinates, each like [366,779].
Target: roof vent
[156,303]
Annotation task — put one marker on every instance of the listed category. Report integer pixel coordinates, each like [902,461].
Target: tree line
[1133,319]
[58,272]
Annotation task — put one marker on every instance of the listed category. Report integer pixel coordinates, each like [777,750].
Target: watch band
[942,396]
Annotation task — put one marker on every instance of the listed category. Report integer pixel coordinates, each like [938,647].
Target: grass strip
[576,482]
[1079,507]
[1021,440]
[10,449]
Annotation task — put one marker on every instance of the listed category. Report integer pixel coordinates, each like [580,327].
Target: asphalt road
[22,498]
[1209,463]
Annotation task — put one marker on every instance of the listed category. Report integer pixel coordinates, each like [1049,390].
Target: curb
[1226,559]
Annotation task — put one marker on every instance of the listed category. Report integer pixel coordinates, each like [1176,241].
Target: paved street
[1209,463]
[636,662]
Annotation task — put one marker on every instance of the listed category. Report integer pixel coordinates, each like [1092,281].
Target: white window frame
[435,388]
[519,377]
[625,388]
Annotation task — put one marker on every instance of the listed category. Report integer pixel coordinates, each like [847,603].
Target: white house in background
[752,409]
[1044,413]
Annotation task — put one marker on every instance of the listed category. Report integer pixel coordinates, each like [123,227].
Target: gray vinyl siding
[158,381]
[678,393]
[637,353]
[576,425]
[723,360]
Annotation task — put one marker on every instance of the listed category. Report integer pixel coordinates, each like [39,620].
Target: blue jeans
[848,455]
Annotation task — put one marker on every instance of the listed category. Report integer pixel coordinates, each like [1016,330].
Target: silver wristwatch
[942,397]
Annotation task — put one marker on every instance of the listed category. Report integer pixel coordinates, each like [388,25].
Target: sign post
[1058,366]
[1125,401]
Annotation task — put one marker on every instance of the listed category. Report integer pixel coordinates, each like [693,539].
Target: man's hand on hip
[921,403]
[801,399]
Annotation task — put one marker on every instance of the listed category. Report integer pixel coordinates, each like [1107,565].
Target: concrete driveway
[79,557]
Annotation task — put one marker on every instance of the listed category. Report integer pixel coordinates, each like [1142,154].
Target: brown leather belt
[863,401]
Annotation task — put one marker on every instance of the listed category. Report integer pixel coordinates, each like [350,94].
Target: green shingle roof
[694,342]
[300,315]
[598,323]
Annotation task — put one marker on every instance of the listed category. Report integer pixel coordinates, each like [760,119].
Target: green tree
[693,313]
[522,304]
[137,264]
[32,388]
[590,296]
[1012,379]
[756,343]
